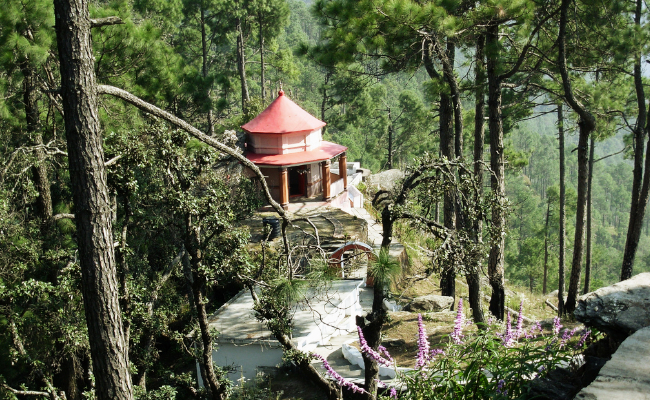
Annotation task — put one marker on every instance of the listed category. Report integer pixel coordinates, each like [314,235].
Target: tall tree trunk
[260,18]
[390,141]
[497,163]
[589,235]
[204,54]
[545,282]
[39,171]
[198,283]
[447,149]
[586,124]
[639,181]
[473,277]
[91,200]
[562,261]
[241,66]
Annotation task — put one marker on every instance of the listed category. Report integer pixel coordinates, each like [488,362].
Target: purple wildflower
[457,335]
[436,352]
[583,337]
[566,335]
[507,338]
[520,321]
[384,351]
[500,387]
[534,331]
[556,326]
[338,378]
[370,352]
[550,345]
[392,393]
[423,344]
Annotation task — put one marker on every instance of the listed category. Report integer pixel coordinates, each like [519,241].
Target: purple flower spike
[556,326]
[508,337]
[500,387]
[583,338]
[423,344]
[457,335]
[392,393]
[370,352]
[520,321]
[338,378]
[436,352]
[384,351]
[566,335]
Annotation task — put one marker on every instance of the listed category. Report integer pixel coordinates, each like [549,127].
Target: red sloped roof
[325,151]
[283,116]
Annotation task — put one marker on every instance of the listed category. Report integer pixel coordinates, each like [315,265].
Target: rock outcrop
[385,180]
[620,309]
[430,303]
[627,375]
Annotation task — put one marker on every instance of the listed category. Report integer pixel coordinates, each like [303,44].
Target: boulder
[385,180]
[430,303]
[620,309]
[625,376]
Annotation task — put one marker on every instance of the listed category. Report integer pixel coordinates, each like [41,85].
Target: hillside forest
[120,195]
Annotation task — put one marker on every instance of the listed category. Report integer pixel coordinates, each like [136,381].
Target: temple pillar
[343,170]
[327,180]
[284,188]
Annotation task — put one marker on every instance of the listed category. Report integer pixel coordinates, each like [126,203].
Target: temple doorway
[297,181]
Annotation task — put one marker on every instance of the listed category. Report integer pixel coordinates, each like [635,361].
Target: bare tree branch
[150,108]
[99,22]
[63,216]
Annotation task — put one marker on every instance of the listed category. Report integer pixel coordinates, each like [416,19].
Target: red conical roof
[283,116]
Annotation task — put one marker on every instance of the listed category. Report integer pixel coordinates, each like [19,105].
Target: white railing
[355,196]
[337,322]
[336,188]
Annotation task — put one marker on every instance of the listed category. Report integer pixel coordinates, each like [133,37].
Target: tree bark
[589,182]
[545,282]
[562,262]
[91,200]
[473,278]
[390,141]
[260,18]
[640,182]
[448,150]
[497,163]
[586,124]
[198,283]
[241,66]
[204,55]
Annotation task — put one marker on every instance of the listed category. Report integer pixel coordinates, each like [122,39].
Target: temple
[286,143]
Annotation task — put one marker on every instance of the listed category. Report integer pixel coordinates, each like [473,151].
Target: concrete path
[374,227]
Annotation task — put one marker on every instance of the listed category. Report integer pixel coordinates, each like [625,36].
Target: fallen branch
[25,392]
[63,216]
[548,303]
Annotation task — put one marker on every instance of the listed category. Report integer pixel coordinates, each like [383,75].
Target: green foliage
[483,367]
[384,269]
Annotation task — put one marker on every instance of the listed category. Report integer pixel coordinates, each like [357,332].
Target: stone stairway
[332,350]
